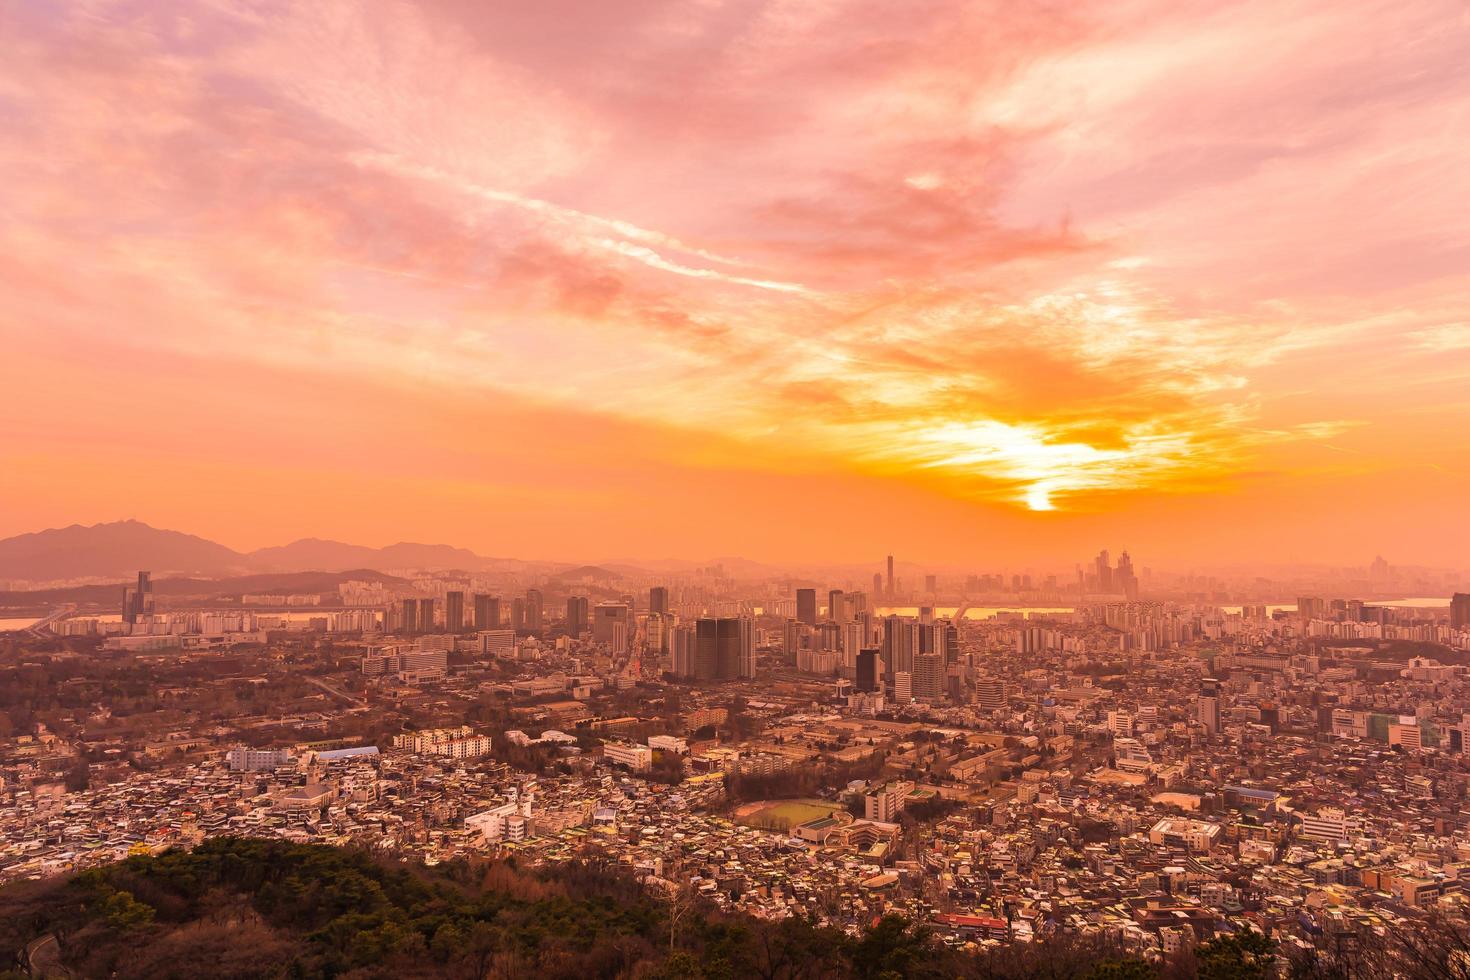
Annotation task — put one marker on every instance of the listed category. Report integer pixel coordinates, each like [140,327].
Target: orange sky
[970,282]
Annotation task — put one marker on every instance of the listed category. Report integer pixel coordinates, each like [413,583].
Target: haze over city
[650,279]
[708,489]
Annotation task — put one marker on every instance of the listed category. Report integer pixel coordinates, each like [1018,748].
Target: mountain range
[120,548]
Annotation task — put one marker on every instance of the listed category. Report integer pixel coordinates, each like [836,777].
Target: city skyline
[719,279]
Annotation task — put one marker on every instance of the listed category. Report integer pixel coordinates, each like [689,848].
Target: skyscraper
[487,611]
[1104,571]
[890,576]
[928,678]
[426,615]
[576,614]
[724,648]
[837,606]
[1208,706]
[138,601]
[454,612]
[535,610]
[1124,580]
[410,615]
[658,600]
[606,617]
[806,606]
[867,670]
[877,586]
[900,643]
[1460,611]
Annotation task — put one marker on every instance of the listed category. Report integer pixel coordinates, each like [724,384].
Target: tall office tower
[990,694]
[724,648]
[745,649]
[681,646]
[426,615]
[1104,572]
[931,583]
[877,585]
[487,611]
[856,603]
[806,606]
[454,612]
[903,687]
[576,614]
[934,638]
[837,606]
[518,614]
[1124,580]
[138,602]
[867,671]
[658,627]
[410,615]
[535,610]
[1209,705]
[900,643]
[658,600]
[606,616]
[928,678]
[890,577]
[854,638]
[1460,611]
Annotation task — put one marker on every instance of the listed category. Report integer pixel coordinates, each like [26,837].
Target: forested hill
[236,908]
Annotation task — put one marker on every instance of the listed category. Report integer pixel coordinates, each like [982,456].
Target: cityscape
[1116,752]
[724,489]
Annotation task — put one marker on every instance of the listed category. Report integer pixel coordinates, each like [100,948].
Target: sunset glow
[1186,276]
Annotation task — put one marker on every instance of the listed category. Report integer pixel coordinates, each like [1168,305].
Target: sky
[787,279]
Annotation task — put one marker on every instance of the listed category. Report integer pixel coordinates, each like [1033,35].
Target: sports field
[783,814]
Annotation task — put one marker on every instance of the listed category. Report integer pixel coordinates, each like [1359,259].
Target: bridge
[43,624]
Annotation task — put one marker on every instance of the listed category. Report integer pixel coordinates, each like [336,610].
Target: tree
[1247,955]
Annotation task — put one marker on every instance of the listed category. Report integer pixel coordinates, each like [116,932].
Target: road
[334,691]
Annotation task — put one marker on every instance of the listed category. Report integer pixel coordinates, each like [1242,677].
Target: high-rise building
[837,606]
[867,670]
[1124,580]
[722,649]
[410,615]
[890,577]
[900,643]
[877,585]
[518,614]
[806,606]
[931,583]
[1208,706]
[454,612]
[1104,571]
[487,611]
[576,614]
[535,610]
[1460,611]
[928,678]
[658,600]
[426,615]
[606,617]
[138,602]
[903,687]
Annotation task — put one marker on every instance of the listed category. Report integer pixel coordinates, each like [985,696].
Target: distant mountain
[116,549]
[119,549]
[319,555]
